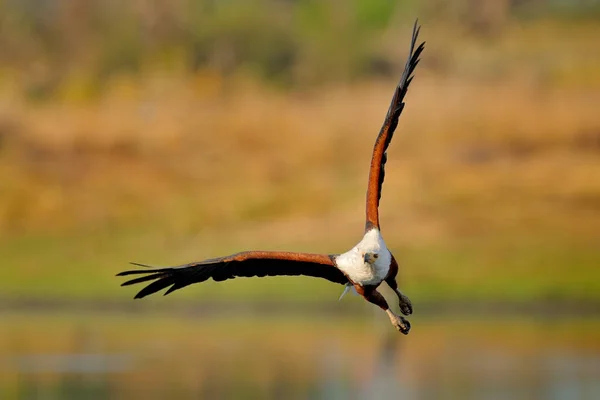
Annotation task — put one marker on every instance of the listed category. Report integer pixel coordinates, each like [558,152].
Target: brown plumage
[377,171]
[363,267]
[245,264]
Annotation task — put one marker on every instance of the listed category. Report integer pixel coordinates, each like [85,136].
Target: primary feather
[245,264]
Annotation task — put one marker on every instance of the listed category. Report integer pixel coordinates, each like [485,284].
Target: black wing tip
[140,264]
[416,29]
[139,271]
[130,272]
[150,275]
[413,42]
[150,289]
[171,289]
[411,62]
[405,80]
[161,278]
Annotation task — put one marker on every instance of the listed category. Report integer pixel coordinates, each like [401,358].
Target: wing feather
[379,158]
[245,264]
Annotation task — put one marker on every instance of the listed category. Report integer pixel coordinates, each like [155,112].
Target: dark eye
[375,255]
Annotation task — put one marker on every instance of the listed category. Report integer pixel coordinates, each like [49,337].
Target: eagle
[363,268]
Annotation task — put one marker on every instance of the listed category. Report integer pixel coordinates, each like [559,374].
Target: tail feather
[348,288]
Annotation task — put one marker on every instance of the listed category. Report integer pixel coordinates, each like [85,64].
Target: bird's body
[352,263]
[364,267]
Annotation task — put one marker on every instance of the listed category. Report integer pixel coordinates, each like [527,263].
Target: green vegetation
[494,269]
[73,51]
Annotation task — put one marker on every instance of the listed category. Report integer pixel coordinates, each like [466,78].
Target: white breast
[353,265]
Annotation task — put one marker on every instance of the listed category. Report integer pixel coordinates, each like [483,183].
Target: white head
[368,262]
[373,250]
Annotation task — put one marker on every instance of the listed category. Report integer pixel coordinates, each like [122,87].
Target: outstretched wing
[245,264]
[377,172]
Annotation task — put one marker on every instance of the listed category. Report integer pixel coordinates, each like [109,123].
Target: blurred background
[165,132]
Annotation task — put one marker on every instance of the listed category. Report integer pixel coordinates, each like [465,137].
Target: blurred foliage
[287,41]
[292,42]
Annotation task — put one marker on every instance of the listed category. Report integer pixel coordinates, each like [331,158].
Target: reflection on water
[96,357]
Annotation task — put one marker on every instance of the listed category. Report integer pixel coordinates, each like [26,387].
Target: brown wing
[245,264]
[377,172]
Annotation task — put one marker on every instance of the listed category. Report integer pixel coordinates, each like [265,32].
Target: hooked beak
[369,258]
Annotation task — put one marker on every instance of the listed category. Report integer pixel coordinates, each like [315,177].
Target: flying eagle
[362,268]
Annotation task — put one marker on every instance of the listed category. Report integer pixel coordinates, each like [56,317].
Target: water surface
[124,355]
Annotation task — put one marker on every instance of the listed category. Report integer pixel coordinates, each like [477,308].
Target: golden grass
[491,190]
[198,159]
[499,133]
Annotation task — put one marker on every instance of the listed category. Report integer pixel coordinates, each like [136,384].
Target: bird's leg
[404,301]
[371,294]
